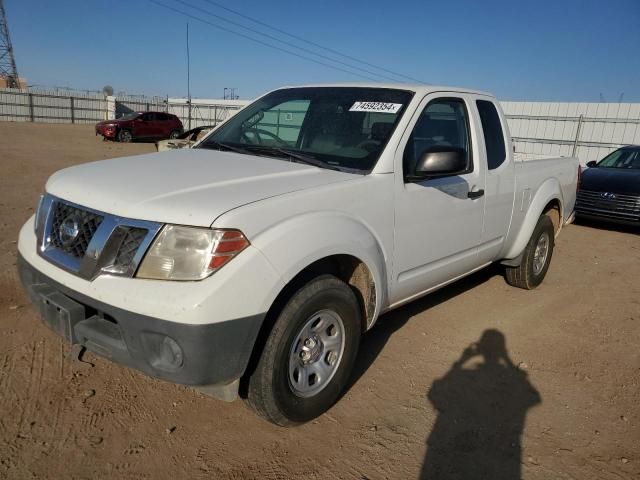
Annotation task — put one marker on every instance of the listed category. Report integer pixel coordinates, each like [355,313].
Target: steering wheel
[369,145]
[257,137]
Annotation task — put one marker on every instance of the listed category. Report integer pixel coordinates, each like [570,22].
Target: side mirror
[140,119]
[440,161]
[592,164]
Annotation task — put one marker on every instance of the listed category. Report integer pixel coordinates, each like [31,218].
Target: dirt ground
[569,411]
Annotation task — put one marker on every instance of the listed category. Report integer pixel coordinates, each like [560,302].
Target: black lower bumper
[607,216]
[209,354]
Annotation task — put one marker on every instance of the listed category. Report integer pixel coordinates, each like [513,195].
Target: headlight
[187,253]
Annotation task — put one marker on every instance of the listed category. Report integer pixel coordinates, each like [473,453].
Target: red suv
[140,125]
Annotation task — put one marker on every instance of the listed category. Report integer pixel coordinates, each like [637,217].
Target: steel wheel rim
[316,353]
[541,253]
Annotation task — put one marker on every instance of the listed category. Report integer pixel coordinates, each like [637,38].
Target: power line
[220,27]
[309,42]
[289,44]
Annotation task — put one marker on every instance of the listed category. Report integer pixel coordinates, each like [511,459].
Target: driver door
[144,125]
[438,221]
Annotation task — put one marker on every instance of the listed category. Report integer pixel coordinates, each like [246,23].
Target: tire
[532,270]
[174,134]
[125,136]
[315,312]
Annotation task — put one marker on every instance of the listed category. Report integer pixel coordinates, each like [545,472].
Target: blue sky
[563,50]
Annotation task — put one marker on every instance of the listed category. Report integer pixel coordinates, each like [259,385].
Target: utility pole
[188,79]
[8,68]
[230,93]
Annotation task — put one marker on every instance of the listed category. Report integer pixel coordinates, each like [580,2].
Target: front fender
[296,243]
[548,191]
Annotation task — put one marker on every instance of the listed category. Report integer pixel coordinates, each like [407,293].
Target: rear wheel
[124,136]
[309,355]
[536,257]
[174,134]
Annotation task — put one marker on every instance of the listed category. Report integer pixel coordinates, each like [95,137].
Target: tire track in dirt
[34,379]
[578,333]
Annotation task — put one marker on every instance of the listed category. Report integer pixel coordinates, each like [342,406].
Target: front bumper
[607,215]
[106,132]
[608,206]
[190,354]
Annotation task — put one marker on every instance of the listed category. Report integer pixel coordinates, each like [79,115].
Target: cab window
[493,136]
[443,123]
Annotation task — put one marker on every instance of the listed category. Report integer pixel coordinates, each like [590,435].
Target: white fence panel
[587,130]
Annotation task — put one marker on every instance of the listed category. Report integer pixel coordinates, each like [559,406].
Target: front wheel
[125,136]
[174,134]
[309,355]
[536,257]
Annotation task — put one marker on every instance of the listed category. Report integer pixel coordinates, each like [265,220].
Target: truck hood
[188,187]
[625,181]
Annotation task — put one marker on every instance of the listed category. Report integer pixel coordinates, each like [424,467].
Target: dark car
[140,125]
[610,188]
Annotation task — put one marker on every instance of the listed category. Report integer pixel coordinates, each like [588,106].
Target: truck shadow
[374,341]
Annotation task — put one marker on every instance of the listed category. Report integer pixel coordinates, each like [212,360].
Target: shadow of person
[481,407]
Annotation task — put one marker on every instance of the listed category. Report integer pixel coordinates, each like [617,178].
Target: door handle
[475,194]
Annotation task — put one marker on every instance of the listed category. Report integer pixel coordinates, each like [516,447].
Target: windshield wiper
[224,146]
[298,156]
[264,150]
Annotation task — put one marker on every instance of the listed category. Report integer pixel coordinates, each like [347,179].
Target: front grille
[74,219]
[608,204]
[129,247]
[66,231]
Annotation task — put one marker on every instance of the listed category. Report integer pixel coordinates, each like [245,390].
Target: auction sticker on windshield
[379,107]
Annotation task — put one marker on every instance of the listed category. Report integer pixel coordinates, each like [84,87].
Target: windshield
[623,158]
[344,128]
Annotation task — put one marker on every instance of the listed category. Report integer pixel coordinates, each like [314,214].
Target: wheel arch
[324,245]
[546,201]
[348,268]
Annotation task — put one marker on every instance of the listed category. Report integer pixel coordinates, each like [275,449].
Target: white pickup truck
[255,261]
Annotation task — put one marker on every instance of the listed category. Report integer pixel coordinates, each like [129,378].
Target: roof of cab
[413,87]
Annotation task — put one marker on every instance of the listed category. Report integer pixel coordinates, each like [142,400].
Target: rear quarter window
[493,135]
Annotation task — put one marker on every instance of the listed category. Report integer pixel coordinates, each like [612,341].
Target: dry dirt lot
[575,394]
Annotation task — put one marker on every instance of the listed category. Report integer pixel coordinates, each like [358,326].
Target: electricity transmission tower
[8,68]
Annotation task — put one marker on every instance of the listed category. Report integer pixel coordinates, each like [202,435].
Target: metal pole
[188,79]
[31,107]
[73,116]
[578,129]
